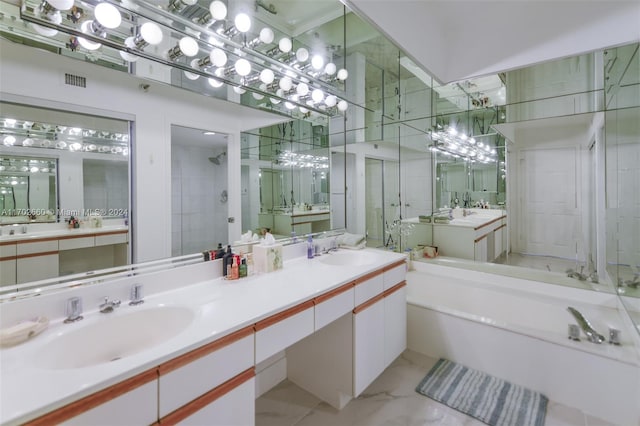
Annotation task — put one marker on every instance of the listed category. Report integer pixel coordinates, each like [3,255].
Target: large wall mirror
[64,191]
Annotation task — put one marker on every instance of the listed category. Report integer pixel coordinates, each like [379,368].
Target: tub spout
[592,335]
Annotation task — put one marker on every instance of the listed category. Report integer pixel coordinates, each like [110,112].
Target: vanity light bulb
[242,22]
[289,105]
[331,101]
[107,15]
[317,95]
[218,10]
[303,110]
[151,33]
[87,44]
[218,57]
[330,68]
[61,4]
[343,105]
[285,83]
[317,62]
[47,32]
[242,67]
[302,54]
[129,57]
[267,76]
[472,141]
[9,140]
[343,74]
[191,76]
[239,90]
[302,89]
[266,35]
[214,83]
[257,96]
[285,45]
[188,46]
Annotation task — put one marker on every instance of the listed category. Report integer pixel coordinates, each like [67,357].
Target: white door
[548,202]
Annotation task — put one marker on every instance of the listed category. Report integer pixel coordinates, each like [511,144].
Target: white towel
[347,240]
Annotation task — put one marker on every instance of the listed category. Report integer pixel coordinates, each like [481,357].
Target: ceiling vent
[75,80]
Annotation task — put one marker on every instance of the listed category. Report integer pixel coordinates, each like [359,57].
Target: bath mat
[491,400]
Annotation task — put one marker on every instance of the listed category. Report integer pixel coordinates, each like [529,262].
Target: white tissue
[268,240]
[246,238]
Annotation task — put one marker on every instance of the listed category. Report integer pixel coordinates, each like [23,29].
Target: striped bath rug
[484,397]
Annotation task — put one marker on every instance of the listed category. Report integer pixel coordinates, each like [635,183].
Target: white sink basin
[113,338]
[349,258]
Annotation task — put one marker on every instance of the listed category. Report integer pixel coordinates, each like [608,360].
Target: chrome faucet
[136,295]
[592,335]
[109,305]
[73,310]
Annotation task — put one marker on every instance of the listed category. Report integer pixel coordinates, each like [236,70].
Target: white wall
[37,77]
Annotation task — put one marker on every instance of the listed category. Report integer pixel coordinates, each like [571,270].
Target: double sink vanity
[200,348]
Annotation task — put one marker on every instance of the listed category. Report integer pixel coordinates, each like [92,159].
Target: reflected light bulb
[239,90]
[151,33]
[190,75]
[302,54]
[285,44]
[343,74]
[107,15]
[302,89]
[259,96]
[331,101]
[343,105]
[317,62]
[285,83]
[214,83]
[218,10]
[330,69]
[317,95]
[289,105]
[61,4]
[218,57]
[242,67]
[87,44]
[266,35]
[242,22]
[267,76]
[128,56]
[188,46]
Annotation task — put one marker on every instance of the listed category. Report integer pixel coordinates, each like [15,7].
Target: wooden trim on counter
[37,240]
[500,227]
[189,357]
[394,288]
[394,265]
[489,223]
[369,276]
[280,316]
[91,401]
[2,259]
[202,401]
[481,238]
[7,243]
[64,237]
[40,253]
[365,305]
[332,293]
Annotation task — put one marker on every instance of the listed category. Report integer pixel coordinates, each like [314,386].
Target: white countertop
[221,307]
[478,219]
[62,232]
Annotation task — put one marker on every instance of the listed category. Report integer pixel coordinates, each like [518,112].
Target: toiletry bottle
[243,268]
[205,254]
[235,271]
[249,264]
[219,251]
[310,247]
[226,261]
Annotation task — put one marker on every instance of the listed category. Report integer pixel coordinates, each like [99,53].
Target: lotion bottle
[310,247]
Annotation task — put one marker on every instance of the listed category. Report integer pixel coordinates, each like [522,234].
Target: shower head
[216,160]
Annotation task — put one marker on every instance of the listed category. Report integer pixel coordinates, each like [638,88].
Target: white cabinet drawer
[280,331]
[368,345]
[395,323]
[37,247]
[38,267]
[333,305]
[7,272]
[105,240]
[235,407]
[196,373]
[394,275]
[368,286]
[136,407]
[8,250]
[76,243]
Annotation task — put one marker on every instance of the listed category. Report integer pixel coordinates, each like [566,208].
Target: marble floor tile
[390,400]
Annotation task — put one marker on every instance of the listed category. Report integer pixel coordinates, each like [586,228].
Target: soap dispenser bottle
[309,247]
[226,261]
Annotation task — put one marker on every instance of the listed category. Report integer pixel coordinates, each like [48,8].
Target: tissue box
[267,258]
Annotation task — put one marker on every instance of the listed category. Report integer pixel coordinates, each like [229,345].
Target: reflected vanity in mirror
[64,181]
[286,179]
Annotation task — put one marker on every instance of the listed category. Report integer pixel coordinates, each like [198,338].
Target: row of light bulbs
[303,161]
[73,146]
[459,145]
[108,17]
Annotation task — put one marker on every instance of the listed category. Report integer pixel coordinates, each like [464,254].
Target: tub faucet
[136,295]
[592,335]
[73,310]
[109,305]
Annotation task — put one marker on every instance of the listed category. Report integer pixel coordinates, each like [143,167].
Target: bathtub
[516,329]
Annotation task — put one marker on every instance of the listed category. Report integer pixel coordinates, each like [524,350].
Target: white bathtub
[516,329]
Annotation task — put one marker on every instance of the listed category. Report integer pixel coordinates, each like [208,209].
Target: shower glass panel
[374,201]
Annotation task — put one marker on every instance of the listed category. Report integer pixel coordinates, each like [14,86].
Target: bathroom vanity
[190,353]
[300,221]
[48,253]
